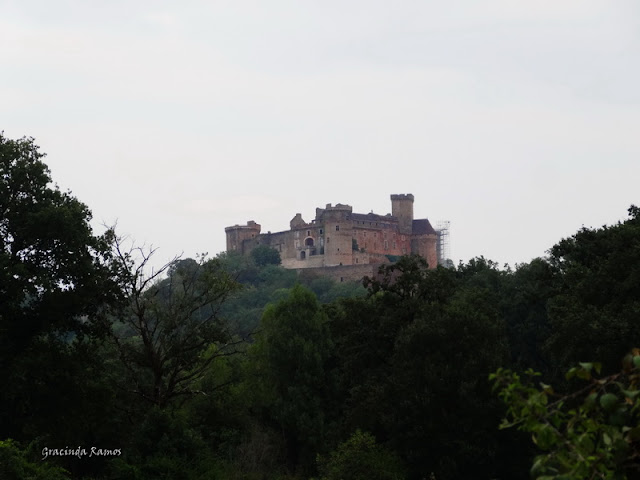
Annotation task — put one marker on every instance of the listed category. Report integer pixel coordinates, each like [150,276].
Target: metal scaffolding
[442,242]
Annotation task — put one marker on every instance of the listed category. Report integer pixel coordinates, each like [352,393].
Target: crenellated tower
[402,209]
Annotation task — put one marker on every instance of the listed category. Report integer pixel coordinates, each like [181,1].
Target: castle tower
[402,209]
[238,234]
[338,236]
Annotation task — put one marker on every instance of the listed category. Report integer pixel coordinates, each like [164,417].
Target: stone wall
[347,273]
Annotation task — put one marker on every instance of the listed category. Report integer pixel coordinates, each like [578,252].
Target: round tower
[238,234]
[338,243]
[402,209]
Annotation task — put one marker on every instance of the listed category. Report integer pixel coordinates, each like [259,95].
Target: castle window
[394,245]
[337,228]
[308,242]
[386,245]
[303,255]
[356,260]
[375,234]
[320,231]
[364,234]
[308,233]
[328,239]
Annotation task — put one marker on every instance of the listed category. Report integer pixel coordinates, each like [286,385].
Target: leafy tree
[53,271]
[594,314]
[264,255]
[56,286]
[592,432]
[525,299]
[290,356]
[360,458]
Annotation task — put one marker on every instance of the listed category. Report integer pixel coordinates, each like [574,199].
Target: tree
[525,297]
[595,310]
[56,285]
[170,324]
[263,255]
[360,458]
[53,270]
[290,357]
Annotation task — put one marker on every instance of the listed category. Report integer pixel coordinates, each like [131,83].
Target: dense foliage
[235,368]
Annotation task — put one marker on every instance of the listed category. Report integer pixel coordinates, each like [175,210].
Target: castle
[343,244]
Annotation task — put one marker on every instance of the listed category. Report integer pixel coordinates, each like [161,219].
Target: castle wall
[309,262]
[425,246]
[348,273]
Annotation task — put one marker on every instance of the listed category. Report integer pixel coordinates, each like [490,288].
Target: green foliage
[264,255]
[524,305]
[595,313]
[360,458]
[20,464]
[56,286]
[289,358]
[592,432]
[164,445]
[412,364]
[52,268]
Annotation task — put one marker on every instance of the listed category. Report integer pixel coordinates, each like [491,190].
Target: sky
[517,121]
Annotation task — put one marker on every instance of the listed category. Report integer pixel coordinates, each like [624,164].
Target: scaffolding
[442,243]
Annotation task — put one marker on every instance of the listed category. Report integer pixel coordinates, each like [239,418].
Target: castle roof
[422,227]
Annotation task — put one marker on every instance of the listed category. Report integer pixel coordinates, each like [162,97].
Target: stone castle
[343,244]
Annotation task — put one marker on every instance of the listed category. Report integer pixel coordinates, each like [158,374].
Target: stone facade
[337,237]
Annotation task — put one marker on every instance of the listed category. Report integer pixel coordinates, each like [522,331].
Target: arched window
[308,242]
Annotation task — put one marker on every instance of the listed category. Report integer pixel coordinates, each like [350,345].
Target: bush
[360,458]
[16,465]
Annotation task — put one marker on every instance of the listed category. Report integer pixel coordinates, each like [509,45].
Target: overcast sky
[518,121]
